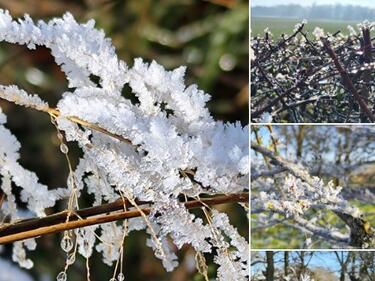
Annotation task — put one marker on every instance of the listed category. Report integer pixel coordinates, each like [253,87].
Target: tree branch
[95,215]
[56,113]
[347,81]
[361,232]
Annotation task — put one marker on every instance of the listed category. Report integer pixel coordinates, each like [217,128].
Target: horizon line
[313,5]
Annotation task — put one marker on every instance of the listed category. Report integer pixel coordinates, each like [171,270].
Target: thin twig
[56,113]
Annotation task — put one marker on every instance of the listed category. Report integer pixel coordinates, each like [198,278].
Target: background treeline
[316,266]
[328,12]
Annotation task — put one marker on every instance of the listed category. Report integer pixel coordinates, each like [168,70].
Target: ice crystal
[13,94]
[111,241]
[266,117]
[318,33]
[86,240]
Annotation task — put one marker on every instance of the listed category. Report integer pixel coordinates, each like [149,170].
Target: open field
[282,25]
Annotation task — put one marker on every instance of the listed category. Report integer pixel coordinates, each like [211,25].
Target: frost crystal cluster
[163,146]
[301,179]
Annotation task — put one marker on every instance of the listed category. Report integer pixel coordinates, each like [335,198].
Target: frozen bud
[64,148]
[121,276]
[61,276]
[66,243]
[60,136]
[71,259]
[318,33]
[280,77]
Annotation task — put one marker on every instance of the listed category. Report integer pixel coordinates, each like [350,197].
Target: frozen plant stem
[54,225]
[165,146]
[56,113]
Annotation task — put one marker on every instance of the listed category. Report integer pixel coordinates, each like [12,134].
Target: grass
[282,25]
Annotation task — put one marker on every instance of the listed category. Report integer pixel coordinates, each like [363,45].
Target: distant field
[280,25]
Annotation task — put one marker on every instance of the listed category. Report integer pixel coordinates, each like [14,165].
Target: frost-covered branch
[164,146]
[313,76]
[299,193]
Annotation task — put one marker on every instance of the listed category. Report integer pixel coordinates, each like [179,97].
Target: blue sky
[264,134]
[368,3]
[325,260]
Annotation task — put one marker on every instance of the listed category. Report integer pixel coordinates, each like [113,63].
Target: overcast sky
[369,3]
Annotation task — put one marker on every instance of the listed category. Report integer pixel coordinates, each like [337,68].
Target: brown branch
[367,47]
[34,223]
[272,103]
[347,81]
[56,223]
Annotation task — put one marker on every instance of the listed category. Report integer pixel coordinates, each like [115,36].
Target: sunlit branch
[95,215]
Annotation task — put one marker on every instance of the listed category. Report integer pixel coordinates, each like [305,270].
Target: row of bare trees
[302,265]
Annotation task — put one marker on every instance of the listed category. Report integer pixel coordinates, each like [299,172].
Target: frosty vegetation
[164,146]
[313,77]
[310,187]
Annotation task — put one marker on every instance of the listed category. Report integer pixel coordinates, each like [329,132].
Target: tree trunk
[300,138]
[270,270]
[286,263]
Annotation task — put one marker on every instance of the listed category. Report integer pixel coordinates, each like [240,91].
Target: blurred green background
[279,26]
[209,37]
